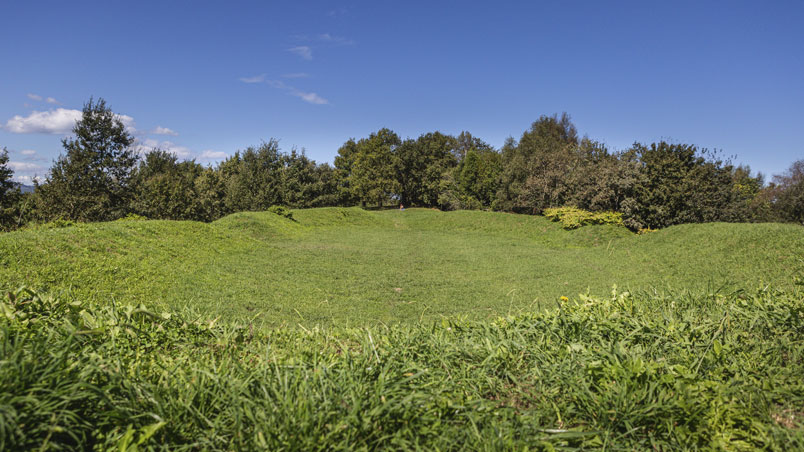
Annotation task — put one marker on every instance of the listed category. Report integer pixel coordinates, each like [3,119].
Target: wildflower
[563,298]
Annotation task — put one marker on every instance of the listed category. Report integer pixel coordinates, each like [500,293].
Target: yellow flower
[564,298]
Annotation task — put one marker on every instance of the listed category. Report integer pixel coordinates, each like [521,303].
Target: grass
[351,268]
[414,330]
[624,372]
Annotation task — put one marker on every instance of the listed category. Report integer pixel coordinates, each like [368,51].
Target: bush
[574,218]
[281,211]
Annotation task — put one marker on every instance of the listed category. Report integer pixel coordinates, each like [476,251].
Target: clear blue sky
[226,75]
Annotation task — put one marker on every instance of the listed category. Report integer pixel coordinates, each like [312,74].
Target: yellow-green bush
[573,217]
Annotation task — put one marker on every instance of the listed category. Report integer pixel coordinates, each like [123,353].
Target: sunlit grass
[351,267]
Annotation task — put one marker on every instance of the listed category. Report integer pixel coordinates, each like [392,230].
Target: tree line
[100,177]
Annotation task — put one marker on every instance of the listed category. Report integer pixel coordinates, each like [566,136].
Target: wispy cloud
[256,79]
[159,130]
[306,96]
[143,147]
[305,52]
[340,40]
[28,152]
[213,155]
[294,75]
[39,98]
[311,98]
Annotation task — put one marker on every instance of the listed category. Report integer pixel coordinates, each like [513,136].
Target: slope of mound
[356,267]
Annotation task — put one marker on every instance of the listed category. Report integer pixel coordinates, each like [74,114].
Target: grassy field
[615,373]
[414,330]
[350,267]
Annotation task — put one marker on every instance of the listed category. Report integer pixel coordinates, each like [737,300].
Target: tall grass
[682,371]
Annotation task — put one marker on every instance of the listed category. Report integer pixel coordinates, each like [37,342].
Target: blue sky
[206,79]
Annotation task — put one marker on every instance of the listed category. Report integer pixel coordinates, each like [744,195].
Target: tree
[789,191]
[372,172]
[92,181]
[534,170]
[419,166]
[9,193]
[165,187]
[253,178]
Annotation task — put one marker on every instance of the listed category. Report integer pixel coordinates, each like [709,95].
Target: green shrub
[281,211]
[574,218]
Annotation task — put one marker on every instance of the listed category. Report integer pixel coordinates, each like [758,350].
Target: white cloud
[148,145]
[312,98]
[256,79]
[27,179]
[28,152]
[34,97]
[305,52]
[295,75]
[159,130]
[51,100]
[60,120]
[24,166]
[213,155]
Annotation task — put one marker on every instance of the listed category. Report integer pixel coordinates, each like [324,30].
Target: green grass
[350,267]
[623,372]
[414,330]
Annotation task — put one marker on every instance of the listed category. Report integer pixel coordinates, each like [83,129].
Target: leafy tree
[419,166]
[372,176]
[210,189]
[306,184]
[92,180]
[678,183]
[165,187]
[344,162]
[599,180]
[479,174]
[253,178]
[789,193]
[9,193]
[534,170]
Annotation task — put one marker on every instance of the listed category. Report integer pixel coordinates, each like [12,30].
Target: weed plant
[650,371]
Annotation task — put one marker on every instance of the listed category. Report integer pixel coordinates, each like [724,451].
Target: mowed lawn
[352,267]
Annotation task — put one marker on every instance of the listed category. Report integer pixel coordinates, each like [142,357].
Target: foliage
[419,166]
[679,184]
[625,372]
[372,173]
[534,169]
[788,193]
[653,185]
[165,187]
[92,180]
[282,211]
[573,217]
[10,195]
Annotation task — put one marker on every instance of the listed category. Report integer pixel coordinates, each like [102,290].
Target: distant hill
[25,188]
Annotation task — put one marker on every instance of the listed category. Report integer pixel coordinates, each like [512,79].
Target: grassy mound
[623,372]
[351,267]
